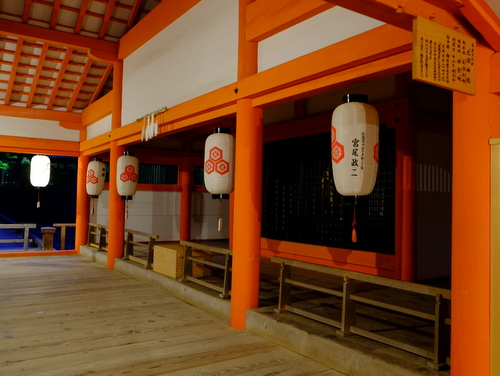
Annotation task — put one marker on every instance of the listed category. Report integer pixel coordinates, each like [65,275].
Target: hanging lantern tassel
[219,225]
[126,209]
[38,202]
[93,206]
[354,235]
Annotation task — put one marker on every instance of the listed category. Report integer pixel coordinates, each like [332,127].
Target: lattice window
[301,204]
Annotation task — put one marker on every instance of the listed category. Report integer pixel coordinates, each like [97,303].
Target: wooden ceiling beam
[107,51]
[60,76]
[102,82]
[400,13]
[81,16]
[482,17]
[55,13]
[106,18]
[38,72]
[77,89]
[13,71]
[34,113]
[26,12]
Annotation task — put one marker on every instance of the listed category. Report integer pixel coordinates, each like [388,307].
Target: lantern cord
[126,209]
[219,226]
[354,235]
[38,202]
[93,204]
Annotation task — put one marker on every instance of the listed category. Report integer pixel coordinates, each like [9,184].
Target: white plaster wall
[159,213]
[36,128]
[205,217]
[329,27]
[99,127]
[196,54]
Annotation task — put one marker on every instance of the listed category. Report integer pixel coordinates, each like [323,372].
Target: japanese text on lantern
[443,57]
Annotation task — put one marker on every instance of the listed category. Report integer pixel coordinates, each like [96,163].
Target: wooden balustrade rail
[63,227]
[132,246]
[347,295]
[98,236]
[25,239]
[190,259]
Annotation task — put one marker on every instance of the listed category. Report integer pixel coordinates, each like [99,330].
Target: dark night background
[58,199]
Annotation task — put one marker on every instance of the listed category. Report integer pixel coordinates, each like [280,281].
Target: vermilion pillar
[470,288]
[116,209]
[185,218]
[82,204]
[247,210]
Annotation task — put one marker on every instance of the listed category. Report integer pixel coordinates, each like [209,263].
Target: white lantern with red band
[355,145]
[219,166]
[40,171]
[96,175]
[219,162]
[127,175]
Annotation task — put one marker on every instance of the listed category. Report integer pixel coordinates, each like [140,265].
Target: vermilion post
[82,204]
[185,218]
[470,277]
[116,209]
[247,202]
[247,196]
[116,214]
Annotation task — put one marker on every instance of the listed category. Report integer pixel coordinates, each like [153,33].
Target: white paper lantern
[40,171]
[219,162]
[355,143]
[96,175]
[127,175]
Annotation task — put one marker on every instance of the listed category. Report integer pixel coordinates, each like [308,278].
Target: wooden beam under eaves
[55,13]
[108,51]
[482,17]
[38,72]
[107,17]
[402,12]
[78,87]
[60,77]
[13,71]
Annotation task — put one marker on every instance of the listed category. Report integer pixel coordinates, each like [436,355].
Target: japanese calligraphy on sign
[443,57]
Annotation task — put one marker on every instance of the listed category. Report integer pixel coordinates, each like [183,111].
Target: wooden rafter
[106,18]
[38,72]
[60,76]
[102,82]
[55,13]
[78,87]
[26,12]
[133,15]
[402,12]
[81,16]
[13,72]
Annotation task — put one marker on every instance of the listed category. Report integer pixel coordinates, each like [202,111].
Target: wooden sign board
[443,57]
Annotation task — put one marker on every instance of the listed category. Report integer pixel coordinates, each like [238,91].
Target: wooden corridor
[69,316]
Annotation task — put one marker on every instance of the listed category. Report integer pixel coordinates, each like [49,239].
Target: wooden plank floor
[66,315]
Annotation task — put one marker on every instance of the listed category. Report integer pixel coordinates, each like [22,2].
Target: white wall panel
[159,213]
[196,54]
[329,27]
[205,217]
[36,128]
[99,127]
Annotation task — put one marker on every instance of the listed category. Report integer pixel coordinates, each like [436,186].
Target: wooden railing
[98,236]
[348,309]
[135,248]
[25,238]
[63,227]
[190,259]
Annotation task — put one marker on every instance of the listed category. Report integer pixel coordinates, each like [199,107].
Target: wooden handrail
[131,245]
[346,292]
[189,259]
[63,227]
[25,239]
[100,231]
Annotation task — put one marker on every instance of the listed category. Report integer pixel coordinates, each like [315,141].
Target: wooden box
[169,260]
